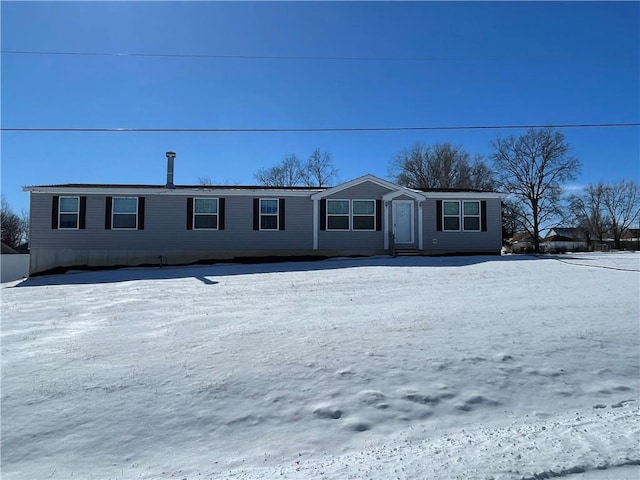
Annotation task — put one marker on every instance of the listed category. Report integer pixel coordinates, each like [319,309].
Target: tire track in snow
[571,472]
[604,267]
[527,449]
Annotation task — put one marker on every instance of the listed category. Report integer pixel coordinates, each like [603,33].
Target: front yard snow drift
[461,367]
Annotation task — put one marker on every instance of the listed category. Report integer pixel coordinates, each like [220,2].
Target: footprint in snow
[622,403]
[357,425]
[371,397]
[327,412]
[476,401]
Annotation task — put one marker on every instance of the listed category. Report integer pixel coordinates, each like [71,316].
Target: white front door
[403,221]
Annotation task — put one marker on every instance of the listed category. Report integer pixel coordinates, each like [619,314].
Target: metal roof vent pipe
[170,158]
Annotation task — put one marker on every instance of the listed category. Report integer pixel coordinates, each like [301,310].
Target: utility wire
[197,55]
[320,129]
[274,57]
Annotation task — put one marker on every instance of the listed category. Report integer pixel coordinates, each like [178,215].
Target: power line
[319,129]
[242,57]
[281,57]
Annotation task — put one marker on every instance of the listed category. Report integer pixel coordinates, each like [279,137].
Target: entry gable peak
[366,178]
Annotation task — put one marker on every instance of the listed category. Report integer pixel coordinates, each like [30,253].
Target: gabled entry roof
[367,178]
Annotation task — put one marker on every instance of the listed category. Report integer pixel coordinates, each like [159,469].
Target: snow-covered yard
[435,368]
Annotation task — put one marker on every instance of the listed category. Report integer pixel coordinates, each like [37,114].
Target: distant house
[565,239]
[76,225]
[631,239]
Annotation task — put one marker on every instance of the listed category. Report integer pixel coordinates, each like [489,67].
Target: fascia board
[403,191]
[463,195]
[182,192]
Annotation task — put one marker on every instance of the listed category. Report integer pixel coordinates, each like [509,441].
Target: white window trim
[364,215]
[459,215]
[217,215]
[478,216]
[76,213]
[114,213]
[348,215]
[277,215]
[351,215]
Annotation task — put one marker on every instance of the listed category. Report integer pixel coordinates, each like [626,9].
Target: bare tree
[532,169]
[482,176]
[318,170]
[622,202]
[287,173]
[11,224]
[25,224]
[589,214]
[440,166]
[510,219]
[204,180]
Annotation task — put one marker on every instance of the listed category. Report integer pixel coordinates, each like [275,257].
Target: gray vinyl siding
[354,239]
[166,239]
[490,241]
[404,197]
[351,240]
[363,191]
[166,227]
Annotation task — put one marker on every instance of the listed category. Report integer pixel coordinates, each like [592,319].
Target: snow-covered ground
[435,368]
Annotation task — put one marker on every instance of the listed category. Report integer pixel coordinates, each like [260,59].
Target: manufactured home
[99,225]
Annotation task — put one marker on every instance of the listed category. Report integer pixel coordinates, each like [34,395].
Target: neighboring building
[93,225]
[631,239]
[565,240]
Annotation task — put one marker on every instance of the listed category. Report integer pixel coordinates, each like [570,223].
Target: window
[338,214]
[351,215]
[269,214]
[205,213]
[364,214]
[466,216]
[471,216]
[451,215]
[69,212]
[124,213]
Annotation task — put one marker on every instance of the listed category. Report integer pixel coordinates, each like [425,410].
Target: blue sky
[479,64]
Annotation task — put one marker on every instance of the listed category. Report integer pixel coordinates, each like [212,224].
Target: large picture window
[205,213]
[68,212]
[269,214]
[351,215]
[124,213]
[465,216]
